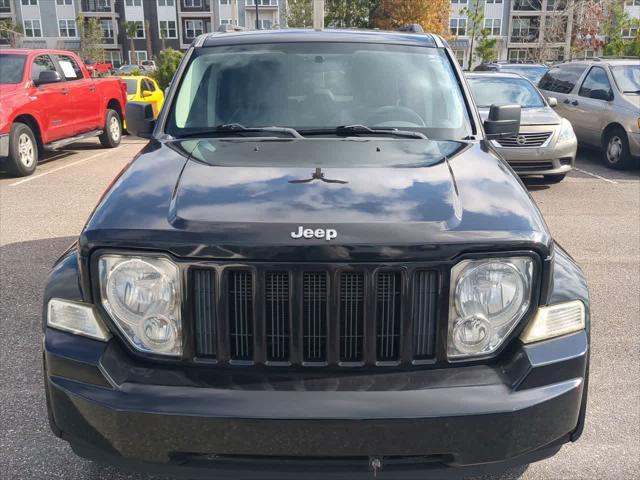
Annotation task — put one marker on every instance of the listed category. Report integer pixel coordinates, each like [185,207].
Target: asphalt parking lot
[594,214]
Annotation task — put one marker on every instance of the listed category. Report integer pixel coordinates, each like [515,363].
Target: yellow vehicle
[144,89]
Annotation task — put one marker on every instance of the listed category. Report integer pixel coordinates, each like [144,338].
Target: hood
[387,199]
[532,116]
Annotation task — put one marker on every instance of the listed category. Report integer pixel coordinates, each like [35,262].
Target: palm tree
[131,30]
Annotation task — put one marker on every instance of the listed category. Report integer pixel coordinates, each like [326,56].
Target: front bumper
[250,423]
[4,145]
[556,159]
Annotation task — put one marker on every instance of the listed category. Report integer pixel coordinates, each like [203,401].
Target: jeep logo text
[327,234]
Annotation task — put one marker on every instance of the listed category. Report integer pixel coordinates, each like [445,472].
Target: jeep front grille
[325,315]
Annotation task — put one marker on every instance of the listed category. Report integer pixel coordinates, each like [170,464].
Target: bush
[166,66]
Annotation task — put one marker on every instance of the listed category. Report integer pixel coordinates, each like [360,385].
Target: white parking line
[34,177]
[595,175]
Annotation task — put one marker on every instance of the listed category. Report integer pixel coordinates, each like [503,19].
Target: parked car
[98,68]
[148,65]
[129,69]
[531,71]
[601,99]
[49,100]
[330,276]
[545,144]
[144,89]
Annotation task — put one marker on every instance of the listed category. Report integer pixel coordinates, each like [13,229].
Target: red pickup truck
[48,100]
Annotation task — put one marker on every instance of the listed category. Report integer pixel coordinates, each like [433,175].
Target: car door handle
[566,100]
[575,102]
[92,88]
[65,91]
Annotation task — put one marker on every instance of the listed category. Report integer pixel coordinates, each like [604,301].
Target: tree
[91,39]
[432,15]
[11,31]
[475,19]
[486,48]
[349,13]
[147,28]
[167,64]
[300,13]
[131,29]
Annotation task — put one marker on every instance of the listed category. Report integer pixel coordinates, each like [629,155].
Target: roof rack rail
[411,28]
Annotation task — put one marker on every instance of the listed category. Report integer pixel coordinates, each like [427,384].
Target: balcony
[96,6]
[527,5]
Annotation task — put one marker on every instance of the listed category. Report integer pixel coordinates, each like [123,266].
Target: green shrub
[167,64]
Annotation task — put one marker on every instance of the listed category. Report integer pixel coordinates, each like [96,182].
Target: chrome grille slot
[314,316]
[527,139]
[388,311]
[425,298]
[240,301]
[276,311]
[205,313]
[351,316]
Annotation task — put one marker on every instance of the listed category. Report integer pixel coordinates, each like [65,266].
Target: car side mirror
[601,94]
[146,93]
[139,118]
[503,121]
[48,76]
[553,101]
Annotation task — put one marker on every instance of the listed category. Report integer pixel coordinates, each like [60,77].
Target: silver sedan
[546,144]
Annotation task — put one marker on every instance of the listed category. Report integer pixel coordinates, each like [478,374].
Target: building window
[632,3]
[30,2]
[5,6]
[458,26]
[138,56]
[67,28]
[193,28]
[459,2]
[192,3]
[494,25]
[139,29]
[64,2]
[493,1]
[518,55]
[630,32]
[228,21]
[166,3]
[225,2]
[113,57]
[107,28]
[133,3]
[262,3]
[168,29]
[32,28]
[524,30]
[460,55]
[264,24]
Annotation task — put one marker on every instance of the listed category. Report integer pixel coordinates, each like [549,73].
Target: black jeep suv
[317,267]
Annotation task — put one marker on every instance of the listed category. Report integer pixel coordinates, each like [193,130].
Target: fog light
[554,321]
[76,318]
[472,334]
[158,332]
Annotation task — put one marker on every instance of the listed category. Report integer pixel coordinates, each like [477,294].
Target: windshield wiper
[358,129]
[237,128]
[631,91]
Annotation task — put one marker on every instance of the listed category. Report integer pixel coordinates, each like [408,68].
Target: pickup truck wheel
[23,151]
[112,134]
[616,149]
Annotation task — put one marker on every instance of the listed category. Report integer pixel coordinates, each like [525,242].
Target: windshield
[534,74]
[132,85]
[11,68]
[321,86]
[627,78]
[503,91]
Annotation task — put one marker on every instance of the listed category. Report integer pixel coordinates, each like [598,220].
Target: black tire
[23,151]
[616,153]
[554,178]
[112,134]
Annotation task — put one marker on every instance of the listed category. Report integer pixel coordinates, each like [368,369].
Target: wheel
[616,149]
[554,178]
[112,134]
[23,151]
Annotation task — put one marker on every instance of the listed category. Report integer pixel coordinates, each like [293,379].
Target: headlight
[488,298]
[142,295]
[566,131]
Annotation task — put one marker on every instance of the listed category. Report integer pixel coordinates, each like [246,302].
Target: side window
[70,68]
[596,85]
[147,85]
[562,79]
[41,64]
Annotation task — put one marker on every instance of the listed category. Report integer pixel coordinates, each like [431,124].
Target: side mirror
[503,121]
[48,76]
[601,94]
[146,93]
[139,118]
[553,101]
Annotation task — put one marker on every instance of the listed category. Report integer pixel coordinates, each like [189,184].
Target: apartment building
[525,30]
[153,24]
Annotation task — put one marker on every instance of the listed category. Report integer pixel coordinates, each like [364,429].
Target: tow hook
[375,464]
